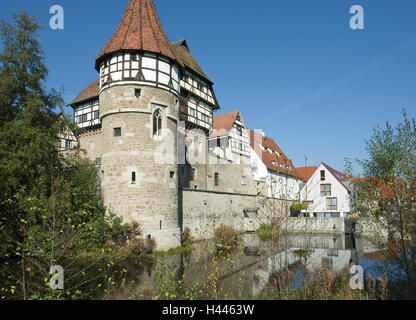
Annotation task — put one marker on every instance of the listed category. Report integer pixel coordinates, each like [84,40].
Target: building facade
[147,121]
[164,159]
[270,165]
[328,193]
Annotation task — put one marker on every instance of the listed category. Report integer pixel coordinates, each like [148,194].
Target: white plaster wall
[283,186]
[258,168]
[279,186]
[315,225]
[312,192]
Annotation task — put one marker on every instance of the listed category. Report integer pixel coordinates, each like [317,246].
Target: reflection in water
[314,252]
[255,264]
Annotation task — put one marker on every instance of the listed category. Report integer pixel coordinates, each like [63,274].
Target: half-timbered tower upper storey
[139,53]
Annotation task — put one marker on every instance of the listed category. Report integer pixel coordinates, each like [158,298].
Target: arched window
[157,123]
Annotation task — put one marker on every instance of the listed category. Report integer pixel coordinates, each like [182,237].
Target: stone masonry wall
[152,199]
[203,211]
[90,141]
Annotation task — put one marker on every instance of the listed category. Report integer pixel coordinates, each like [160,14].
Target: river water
[212,272]
[245,271]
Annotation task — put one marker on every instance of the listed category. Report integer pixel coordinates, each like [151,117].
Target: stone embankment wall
[203,211]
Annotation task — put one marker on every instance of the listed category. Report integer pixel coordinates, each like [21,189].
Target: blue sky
[294,68]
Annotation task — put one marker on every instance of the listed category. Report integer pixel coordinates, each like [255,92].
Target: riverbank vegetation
[51,209]
[384,199]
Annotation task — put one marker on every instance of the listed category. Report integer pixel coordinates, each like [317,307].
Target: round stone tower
[139,112]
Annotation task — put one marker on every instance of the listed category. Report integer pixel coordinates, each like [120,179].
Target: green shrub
[225,236]
[268,231]
[299,206]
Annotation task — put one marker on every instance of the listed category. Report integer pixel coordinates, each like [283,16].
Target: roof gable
[223,123]
[342,178]
[182,50]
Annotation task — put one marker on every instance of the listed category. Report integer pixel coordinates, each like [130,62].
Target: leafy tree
[51,209]
[385,198]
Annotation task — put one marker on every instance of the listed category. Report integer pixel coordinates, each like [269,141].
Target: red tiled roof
[89,92]
[223,123]
[343,178]
[388,187]
[183,52]
[140,29]
[271,160]
[306,172]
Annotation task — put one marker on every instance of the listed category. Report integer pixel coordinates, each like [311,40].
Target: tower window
[172,174]
[117,132]
[157,123]
[243,180]
[137,92]
[216,178]
[133,177]
[192,174]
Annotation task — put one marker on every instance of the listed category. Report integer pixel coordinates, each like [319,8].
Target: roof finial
[139,29]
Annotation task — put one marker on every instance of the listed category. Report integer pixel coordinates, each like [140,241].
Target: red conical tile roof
[140,29]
